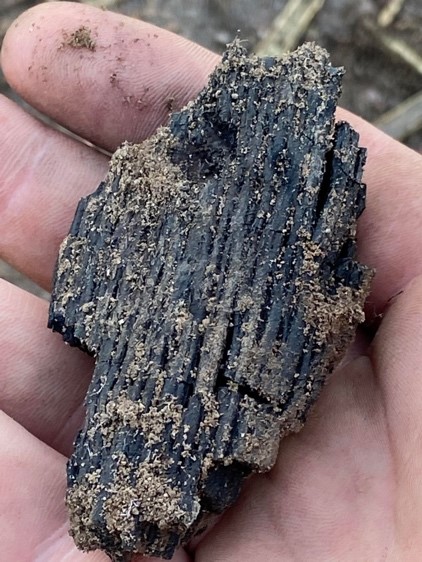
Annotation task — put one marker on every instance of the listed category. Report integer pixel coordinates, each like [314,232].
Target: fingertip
[34,38]
[116,85]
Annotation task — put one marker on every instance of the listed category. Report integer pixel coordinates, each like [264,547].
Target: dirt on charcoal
[201,265]
[79,39]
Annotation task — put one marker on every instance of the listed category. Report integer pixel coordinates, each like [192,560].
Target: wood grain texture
[213,276]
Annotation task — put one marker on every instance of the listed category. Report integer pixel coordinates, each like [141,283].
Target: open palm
[347,487]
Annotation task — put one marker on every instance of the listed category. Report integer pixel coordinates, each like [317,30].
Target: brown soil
[80,39]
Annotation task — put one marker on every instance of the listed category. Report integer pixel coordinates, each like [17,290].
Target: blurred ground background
[379,42]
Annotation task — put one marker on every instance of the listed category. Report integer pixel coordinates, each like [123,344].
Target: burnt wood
[213,277]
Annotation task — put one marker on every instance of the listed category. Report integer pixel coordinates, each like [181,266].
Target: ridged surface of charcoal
[213,276]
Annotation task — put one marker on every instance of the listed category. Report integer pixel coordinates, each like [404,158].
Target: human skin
[347,488]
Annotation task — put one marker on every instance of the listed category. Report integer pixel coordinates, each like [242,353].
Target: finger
[32,512]
[43,174]
[121,90]
[33,518]
[397,358]
[42,381]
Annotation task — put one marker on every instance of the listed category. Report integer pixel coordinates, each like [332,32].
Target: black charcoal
[213,277]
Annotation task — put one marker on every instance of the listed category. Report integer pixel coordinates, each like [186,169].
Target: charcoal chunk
[213,276]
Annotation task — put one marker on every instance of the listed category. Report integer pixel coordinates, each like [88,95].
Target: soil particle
[170,104]
[80,39]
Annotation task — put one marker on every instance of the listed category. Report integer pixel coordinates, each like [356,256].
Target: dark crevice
[242,388]
[117,279]
[325,188]
[228,343]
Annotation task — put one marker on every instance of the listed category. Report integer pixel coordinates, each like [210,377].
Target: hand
[347,487]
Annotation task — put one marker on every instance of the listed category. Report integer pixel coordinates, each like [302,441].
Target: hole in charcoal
[265,311]
[185,391]
[325,187]
[155,275]
[117,279]
[227,134]
[164,353]
[348,250]
[227,345]
[254,394]
[119,360]
[194,362]
[222,382]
